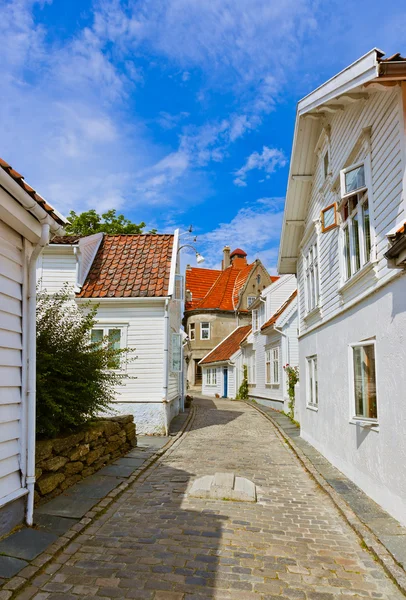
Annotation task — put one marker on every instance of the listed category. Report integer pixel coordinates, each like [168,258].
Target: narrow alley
[154,542]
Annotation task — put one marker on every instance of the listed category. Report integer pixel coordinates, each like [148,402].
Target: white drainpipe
[166,365]
[31,370]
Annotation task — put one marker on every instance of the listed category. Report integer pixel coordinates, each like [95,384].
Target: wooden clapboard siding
[58,266]
[174,327]
[382,113]
[11,280]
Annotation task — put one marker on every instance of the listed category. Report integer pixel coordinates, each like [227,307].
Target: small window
[272,366]
[176,355]
[312,382]
[312,285]
[250,300]
[364,381]
[204,331]
[112,336]
[352,180]
[178,287]
[211,376]
[268,366]
[258,279]
[252,368]
[329,218]
[255,320]
[192,331]
[326,165]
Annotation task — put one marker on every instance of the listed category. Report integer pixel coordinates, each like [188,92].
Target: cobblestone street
[156,543]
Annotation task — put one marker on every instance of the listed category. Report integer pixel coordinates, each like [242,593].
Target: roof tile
[227,347]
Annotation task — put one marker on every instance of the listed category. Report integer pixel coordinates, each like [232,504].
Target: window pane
[355,243]
[316,383]
[205,331]
[97,336]
[115,344]
[347,253]
[365,382]
[367,230]
[326,165]
[355,179]
[310,370]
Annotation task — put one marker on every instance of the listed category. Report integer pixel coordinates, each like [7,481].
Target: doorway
[225,380]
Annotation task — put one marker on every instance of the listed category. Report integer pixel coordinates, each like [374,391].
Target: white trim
[136,299]
[174,260]
[105,325]
[353,418]
[13,496]
[83,242]
[311,362]
[207,329]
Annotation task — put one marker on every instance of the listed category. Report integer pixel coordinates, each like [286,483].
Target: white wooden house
[135,282]
[343,234]
[221,368]
[272,343]
[27,222]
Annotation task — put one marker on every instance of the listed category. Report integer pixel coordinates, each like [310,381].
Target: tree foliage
[74,382]
[243,390]
[89,222]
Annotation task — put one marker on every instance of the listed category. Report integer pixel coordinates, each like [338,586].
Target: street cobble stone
[157,543]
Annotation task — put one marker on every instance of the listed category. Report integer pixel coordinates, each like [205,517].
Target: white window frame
[255,320]
[176,352]
[365,195]
[312,382]
[252,375]
[311,268]
[250,300]
[192,331]
[361,420]
[268,363]
[211,376]
[123,328]
[275,354]
[208,329]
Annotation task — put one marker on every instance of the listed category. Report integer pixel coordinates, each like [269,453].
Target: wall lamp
[199,257]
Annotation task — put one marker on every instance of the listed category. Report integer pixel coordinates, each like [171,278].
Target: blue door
[225,378]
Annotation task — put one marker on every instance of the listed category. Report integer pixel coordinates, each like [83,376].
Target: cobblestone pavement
[155,543]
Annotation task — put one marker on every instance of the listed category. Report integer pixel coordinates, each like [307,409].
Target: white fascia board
[287,314]
[135,300]
[359,72]
[219,344]
[171,289]
[83,242]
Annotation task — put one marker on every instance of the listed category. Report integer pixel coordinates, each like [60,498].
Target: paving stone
[11,566]
[117,471]
[53,523]
[396,545]
[157,543]
[128,461]
[152,441]
[27,543]
[67,506]
[95,486]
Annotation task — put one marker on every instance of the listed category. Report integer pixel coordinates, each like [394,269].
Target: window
[272,366]
[176,355]
[356,233]
[311,266]
[204,331]
[178,287]
[312,382]
[362,365]
[352,180]
[192,331]
[113,337]
[250,300]
[326,165]
[255,320]
[211,376]
[328,217]
[251,369]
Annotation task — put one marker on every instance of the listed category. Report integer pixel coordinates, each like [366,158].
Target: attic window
[326,165]
[258,279]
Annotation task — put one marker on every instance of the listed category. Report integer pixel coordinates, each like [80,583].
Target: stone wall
[63,461]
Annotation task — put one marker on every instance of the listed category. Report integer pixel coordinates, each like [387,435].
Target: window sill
[312,313]
[252,384]
[312,407]
[367,268]
[272,385]
[365,424]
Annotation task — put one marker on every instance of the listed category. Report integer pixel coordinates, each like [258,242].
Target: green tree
[76,379]
[89,222]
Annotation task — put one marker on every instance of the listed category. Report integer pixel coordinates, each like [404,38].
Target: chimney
[226,257]
[238,258]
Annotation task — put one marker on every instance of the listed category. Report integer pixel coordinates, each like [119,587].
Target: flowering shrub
[243,391]
[292,374]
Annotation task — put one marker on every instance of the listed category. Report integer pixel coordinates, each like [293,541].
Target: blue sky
[174,111]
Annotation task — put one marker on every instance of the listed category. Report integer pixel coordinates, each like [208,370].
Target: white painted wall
[374,460]
[11,346]
[56,266]
[217,388]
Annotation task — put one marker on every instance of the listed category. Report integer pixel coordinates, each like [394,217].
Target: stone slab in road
[157,543]
[27,543]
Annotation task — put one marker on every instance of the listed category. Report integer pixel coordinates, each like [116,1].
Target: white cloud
[268,160]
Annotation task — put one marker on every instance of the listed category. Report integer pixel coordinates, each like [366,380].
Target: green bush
[74,382]
[243,391]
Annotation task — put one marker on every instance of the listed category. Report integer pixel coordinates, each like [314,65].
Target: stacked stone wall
[63,461]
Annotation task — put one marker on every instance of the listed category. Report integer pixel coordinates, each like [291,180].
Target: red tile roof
[279,312]
[130,266]
[222,294]
[18,178]
[228,346]
[66,239]
[198,282]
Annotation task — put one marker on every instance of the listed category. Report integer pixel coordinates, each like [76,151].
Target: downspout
[31,369]
[166,365]
[286,361]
